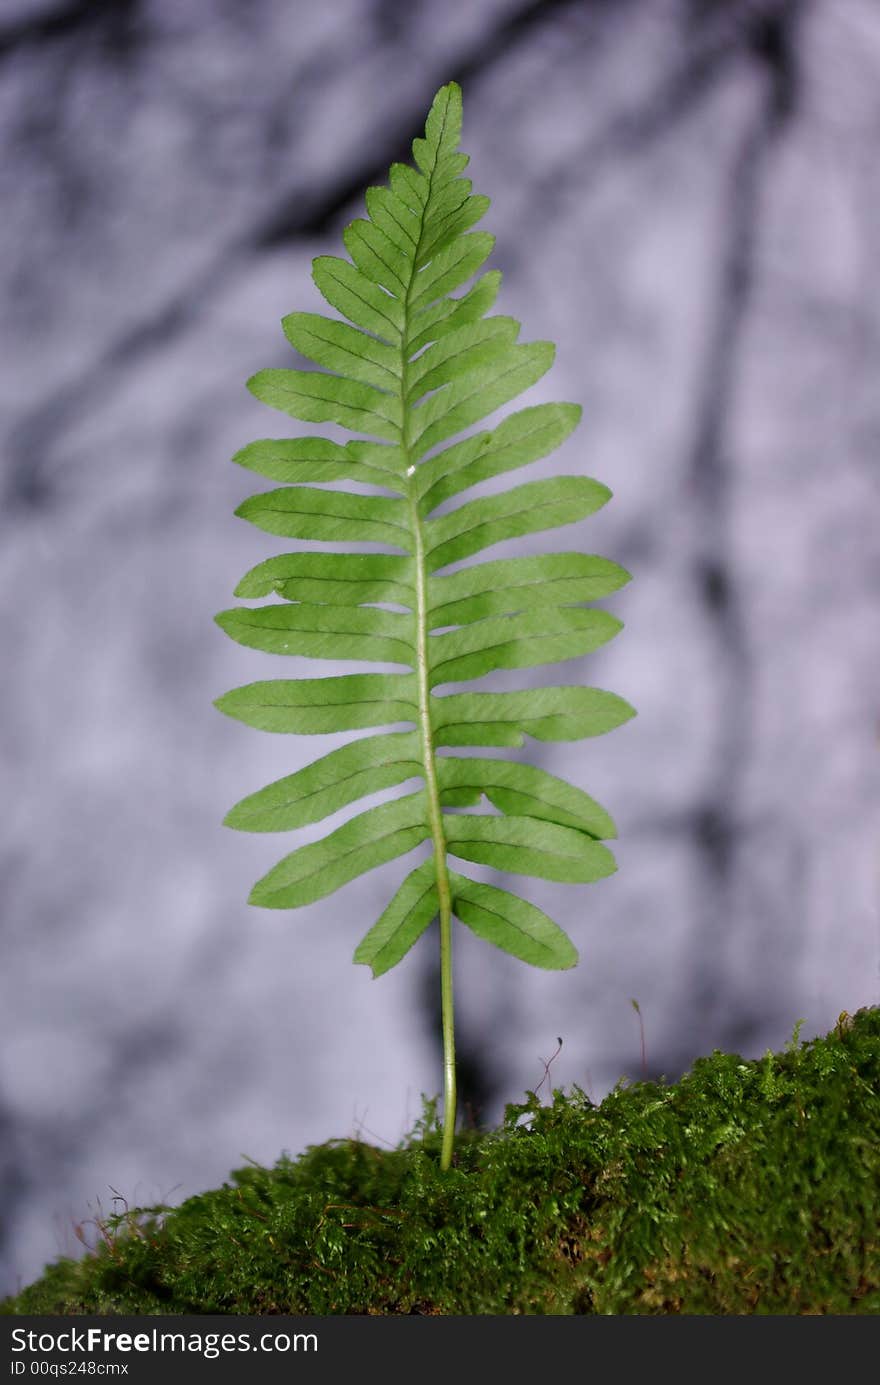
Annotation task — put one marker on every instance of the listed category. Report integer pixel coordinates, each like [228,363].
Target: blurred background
[686,199]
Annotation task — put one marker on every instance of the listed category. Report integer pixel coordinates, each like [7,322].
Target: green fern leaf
[365,841]
[511,923]
[404,921]
[414,360]
[326,785]
[310,706]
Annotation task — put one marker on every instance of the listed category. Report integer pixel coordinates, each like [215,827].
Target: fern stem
[432,790]
[438,838]
[449,1093]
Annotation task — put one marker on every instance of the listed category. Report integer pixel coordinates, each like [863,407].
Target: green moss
[747,1187]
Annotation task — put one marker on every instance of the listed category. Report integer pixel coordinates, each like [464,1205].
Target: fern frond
[408,365]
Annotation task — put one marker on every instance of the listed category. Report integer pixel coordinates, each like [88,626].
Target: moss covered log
[746,1187]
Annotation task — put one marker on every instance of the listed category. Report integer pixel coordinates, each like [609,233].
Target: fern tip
[360,960]
[630,710]
[256,898]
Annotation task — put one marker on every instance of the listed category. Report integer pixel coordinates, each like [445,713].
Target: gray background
[687,201]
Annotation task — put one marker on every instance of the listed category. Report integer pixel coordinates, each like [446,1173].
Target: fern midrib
[432,788]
